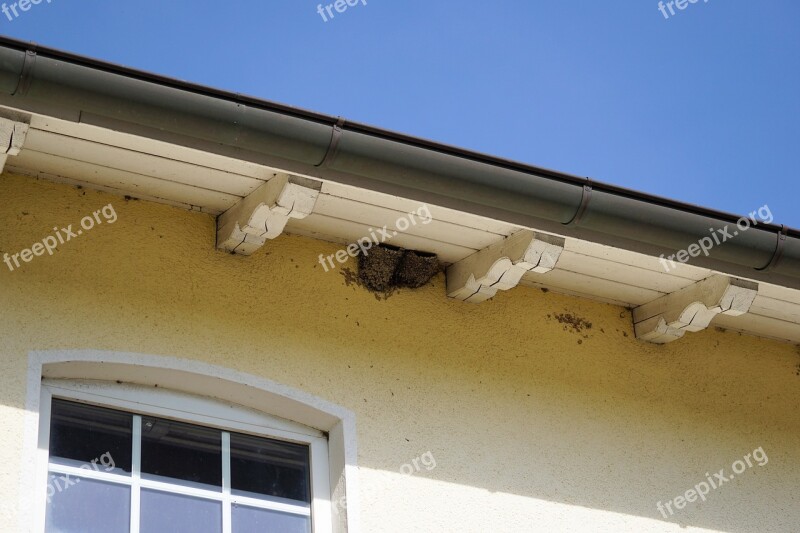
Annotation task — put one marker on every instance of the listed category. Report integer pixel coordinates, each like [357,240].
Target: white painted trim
[136,473]
[227,519]
[186,408]
[191,377]
[39,465]
[263,214]
[692,308]
[208,412]
[12,137]
[321,509]
[500,266]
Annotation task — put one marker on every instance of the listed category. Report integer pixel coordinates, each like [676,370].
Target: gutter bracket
[501,265]
[586,196]
[246,227]
[25,78]
[776,256]
[333,147]
[692,308]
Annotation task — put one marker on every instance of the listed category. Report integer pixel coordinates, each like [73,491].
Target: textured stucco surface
[534,426]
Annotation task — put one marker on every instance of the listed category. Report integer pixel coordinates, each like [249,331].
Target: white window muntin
[198,410]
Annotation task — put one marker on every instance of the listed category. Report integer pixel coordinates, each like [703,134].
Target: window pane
[182,451]
[269,467]
[81,505]
[175,513]
[84,433]
[249,519]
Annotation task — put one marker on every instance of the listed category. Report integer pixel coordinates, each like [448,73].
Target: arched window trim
[277,403]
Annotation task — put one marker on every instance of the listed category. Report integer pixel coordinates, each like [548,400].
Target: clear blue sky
[702,107]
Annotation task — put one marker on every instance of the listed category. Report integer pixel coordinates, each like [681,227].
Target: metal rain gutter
[35,79]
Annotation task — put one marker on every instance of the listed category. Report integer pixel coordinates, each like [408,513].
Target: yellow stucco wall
[533,426]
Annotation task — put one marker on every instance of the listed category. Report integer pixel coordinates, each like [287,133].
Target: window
[127,459]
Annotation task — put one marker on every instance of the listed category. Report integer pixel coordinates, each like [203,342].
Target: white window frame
[189,408]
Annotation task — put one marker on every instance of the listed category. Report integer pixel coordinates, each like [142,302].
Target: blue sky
[703,106]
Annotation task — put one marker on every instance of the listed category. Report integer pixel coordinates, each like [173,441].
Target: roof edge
[49,81]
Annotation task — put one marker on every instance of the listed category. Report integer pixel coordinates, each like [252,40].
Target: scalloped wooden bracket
[262,215]
[12,137]
[668,318]
[501,265]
